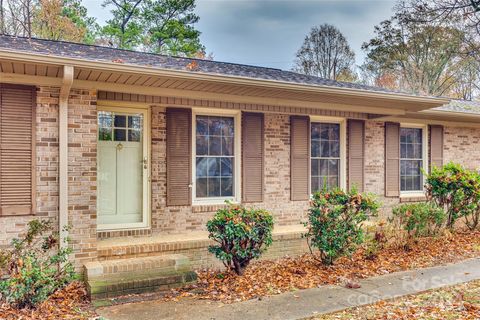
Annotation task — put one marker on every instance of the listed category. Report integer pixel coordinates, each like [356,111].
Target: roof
[461,106]
[107,54]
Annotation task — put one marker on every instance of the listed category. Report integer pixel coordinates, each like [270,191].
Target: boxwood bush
[334,226]
[241,235]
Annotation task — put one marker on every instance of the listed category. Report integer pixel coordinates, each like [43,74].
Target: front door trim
[145,224]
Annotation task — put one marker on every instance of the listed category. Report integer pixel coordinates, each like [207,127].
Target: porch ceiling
[118,77]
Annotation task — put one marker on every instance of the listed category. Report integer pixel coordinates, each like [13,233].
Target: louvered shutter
[252,157]
[392,159]
[436,146]
[356,153]
[179,157]
[17,150]
[299,157]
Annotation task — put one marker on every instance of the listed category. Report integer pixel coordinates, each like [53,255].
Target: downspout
[63,154]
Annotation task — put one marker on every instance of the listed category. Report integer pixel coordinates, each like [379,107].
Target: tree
[52,22]
[17,17]
[77,13]
[170,27]
[423,58]
[160,26]
[124,30]
[326,53]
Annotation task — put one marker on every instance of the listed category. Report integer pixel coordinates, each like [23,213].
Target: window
[215,158]
[325,155]
[411,159]
[119,127]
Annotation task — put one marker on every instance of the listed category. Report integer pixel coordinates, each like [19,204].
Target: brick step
[112,278]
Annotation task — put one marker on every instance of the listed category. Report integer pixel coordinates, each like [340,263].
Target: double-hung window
[326,155]
[412,158]
[215,158]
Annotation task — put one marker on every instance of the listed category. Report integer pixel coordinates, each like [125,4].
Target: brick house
[136,151]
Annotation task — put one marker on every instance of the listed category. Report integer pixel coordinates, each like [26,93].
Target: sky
[269,32]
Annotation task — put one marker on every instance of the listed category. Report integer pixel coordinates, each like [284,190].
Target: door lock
[145,163]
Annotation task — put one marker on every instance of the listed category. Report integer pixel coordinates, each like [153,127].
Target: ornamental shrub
[34,268]
[418,219]
[457,191]
[241,235]
[334,225]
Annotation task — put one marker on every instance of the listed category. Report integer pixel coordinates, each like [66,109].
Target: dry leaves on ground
[69,303]
[265,278]
[457,302]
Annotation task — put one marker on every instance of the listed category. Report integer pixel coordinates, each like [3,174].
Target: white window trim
[416,193]
[236,114]
[343,147]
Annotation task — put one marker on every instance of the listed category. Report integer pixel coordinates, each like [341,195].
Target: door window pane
[325,153]
[214,138]
[411,159]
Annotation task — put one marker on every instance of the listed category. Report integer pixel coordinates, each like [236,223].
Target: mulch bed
[265,278]
[69,303]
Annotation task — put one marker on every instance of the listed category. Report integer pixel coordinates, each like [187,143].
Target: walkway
[303,303]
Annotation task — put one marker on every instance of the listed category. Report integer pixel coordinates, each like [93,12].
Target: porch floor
[192,236]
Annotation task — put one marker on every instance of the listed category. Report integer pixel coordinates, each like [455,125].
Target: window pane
[332,182]
[324,167]
[324,148]
[333,167]
[104,119]
[214,146]
[215,126]
[315,131]
[417,151]
[227,146]
[214,187]
[227,129]
[120,134]
[417,184]
[315,185]
[202,125]
[134,135]
[202,145]
[226,187]
[201,187]
[120,121]
[403,150]
[335,149]
[315,163]
[105,134]
[213,167]
[226,167]
[201,167]
[135,122]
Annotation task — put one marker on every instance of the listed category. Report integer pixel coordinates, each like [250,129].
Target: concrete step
[110,278]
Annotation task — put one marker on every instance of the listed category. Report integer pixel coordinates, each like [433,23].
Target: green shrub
[335,220]
[457,191]
[241,235]
[418,219]
[34,267]
[375,240]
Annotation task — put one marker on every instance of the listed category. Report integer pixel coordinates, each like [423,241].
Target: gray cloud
[269,32]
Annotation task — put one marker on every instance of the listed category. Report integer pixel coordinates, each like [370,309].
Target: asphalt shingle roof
[106,54]
[462,106]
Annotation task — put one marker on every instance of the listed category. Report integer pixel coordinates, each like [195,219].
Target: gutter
[149,70]
[67,82]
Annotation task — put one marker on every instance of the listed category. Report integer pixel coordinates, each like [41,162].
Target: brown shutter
[392,159]
[252,157]
[299,157]
[17,150]
[356,151]
[436,146]
[179,157]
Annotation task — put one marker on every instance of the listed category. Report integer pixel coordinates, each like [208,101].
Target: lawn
[456,302]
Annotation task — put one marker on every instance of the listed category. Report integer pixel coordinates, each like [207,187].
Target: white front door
[122,169]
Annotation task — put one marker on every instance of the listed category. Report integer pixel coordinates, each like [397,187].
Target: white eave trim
[148,70]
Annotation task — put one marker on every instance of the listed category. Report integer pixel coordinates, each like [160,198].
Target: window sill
[412,197]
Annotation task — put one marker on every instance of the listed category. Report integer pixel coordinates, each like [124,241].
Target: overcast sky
[269,32]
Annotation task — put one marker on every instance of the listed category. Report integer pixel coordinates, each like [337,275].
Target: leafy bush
[457,191]
[418,219]
[375,241]
[241,235]
[34,267]
[335,220]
